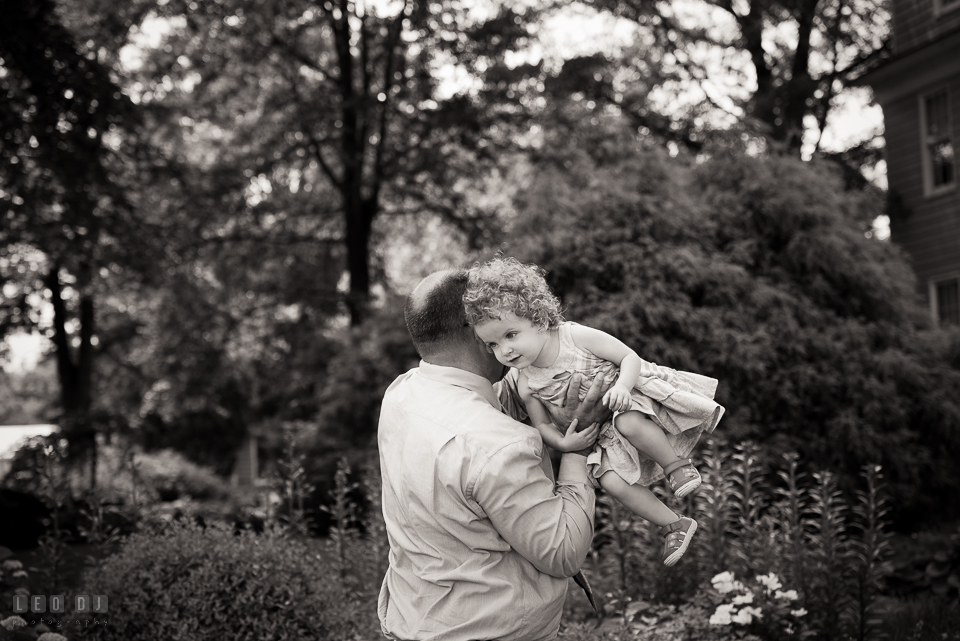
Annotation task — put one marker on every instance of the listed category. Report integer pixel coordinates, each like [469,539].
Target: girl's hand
[573,440]
[617,398]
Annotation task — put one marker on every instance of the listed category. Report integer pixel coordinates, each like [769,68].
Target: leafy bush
[759,272]
[926,619]
[196,583]
[169,475]
[831,553]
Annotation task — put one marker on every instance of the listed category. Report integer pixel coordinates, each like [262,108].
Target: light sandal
[682,477]
[676,539]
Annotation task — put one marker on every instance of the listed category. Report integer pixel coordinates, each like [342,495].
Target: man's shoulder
[458,411]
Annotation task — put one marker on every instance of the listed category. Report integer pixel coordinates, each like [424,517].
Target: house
[918,88]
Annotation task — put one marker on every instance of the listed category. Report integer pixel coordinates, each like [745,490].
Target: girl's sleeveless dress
[679,402]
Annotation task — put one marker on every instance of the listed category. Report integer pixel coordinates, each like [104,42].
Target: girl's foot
[682,477]
[676,539]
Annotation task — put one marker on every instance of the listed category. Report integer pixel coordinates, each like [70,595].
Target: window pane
[938,115]
[948,303]
[942,163]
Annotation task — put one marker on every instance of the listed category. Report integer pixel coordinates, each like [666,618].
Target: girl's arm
[550,433]
[610,348]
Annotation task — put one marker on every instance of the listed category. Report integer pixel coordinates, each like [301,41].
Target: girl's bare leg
[646,436]
[638,499]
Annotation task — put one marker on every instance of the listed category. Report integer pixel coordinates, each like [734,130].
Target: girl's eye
[512,335]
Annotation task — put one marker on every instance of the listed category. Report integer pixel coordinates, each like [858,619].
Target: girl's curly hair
[507,285]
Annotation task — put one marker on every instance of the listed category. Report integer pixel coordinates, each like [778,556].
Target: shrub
[169,475]
[208,583]
[760,273]
[832,550]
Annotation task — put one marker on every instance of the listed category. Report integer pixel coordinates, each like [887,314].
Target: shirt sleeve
[549,525]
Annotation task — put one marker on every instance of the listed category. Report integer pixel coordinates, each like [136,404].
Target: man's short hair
[436,319]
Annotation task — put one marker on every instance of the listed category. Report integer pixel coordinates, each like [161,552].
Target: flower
[798,613]
[745,616]
[51,636]
[769,581]
[724,583]
[723,577]
[789,595]
[12,623]
[12,564]
[722,615]
[743,598]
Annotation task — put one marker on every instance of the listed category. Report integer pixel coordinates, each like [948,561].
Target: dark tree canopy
[759,272]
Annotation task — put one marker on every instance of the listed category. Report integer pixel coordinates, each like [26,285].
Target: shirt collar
[461,378]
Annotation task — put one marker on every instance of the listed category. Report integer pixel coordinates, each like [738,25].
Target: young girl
[659,413]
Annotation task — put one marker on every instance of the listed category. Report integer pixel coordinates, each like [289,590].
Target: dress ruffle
[681,403]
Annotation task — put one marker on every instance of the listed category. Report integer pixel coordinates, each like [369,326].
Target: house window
[946,302]
[939,162]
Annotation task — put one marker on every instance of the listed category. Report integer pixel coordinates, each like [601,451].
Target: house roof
[909,71]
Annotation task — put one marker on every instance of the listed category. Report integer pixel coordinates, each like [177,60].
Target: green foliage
[669,81]
[168,475]
[808,547]
[928,562]
[758,272]
[369,359]
[210,583]
[126,476]
[27,397]
[924,619]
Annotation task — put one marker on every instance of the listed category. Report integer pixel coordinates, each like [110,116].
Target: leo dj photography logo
[37,603]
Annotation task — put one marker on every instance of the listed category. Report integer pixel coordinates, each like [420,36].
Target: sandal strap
[674,541]
[676,465]
[669,528]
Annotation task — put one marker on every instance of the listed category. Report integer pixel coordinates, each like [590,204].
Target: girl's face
[516,342]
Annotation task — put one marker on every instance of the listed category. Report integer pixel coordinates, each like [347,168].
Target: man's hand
[586,412]
[580,415]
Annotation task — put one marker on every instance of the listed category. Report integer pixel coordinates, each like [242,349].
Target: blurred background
[210,212]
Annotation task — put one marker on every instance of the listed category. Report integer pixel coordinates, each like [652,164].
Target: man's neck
[461,361]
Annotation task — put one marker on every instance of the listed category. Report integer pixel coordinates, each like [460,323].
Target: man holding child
[482,540]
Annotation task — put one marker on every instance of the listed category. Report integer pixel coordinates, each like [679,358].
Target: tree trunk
[359,211]
[359,226]
[75,373]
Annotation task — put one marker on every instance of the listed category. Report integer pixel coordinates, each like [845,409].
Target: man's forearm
[551,525]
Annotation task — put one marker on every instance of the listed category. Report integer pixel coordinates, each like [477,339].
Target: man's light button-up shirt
[481,540]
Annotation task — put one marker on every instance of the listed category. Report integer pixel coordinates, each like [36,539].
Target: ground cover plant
[781,553]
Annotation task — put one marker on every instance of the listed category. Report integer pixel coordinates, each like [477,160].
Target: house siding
[916,22]
[928,227]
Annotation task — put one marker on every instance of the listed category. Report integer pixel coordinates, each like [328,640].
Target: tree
[67,156]
[340,105]
[775,66]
